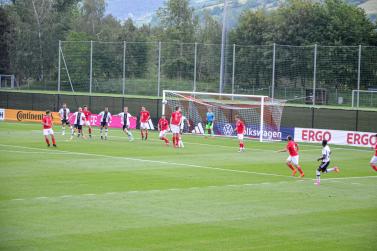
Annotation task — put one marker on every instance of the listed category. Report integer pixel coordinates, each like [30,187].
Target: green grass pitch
[120,195]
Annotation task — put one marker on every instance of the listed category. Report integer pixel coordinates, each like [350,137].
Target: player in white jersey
[79,121]
[64,117]
[125,116]
[184,120]
[105,120]
[326,152]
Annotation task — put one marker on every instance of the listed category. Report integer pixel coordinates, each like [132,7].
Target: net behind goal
[261,114]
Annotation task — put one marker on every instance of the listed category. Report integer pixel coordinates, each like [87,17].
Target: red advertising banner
[337,137]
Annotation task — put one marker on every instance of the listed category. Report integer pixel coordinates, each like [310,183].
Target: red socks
[53,139]
[291,167]
[90,130]
[242,145]
[165,139]
[47,141]
[300,169]
[374,167]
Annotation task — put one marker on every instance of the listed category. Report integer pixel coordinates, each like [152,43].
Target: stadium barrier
[302,117]
[27,115]
[336,137]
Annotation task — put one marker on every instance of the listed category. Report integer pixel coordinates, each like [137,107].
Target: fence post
[233,68]
[124,68]
[159,69]
[358,76]
[314,73]
[91,67]
[195,60]
[59,65]
[273,72]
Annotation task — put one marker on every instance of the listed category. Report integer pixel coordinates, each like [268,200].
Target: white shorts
[175,128]
[87,123]
[240,136]
[373,160]
[294,160]
[144,125]
[47,132]
[162,133]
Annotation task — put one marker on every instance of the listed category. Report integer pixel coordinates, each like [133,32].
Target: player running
[144,118]
[163,127]
[325,162]
[125,116]
[184,120]
[64,117]
[47,128]
[292,161]
[240,129]
[373,161]
[88,114]
[79,121]
[175,124]
[105,120]
[209,123]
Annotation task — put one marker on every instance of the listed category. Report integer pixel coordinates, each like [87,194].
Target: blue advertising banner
[228,129]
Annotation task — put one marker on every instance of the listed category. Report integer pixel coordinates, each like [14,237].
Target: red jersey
[292,148]
[163,124]
[176,118]
[47,122]
[240,127]
[87,114]
[144,116]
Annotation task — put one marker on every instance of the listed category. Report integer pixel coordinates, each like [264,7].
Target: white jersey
[64,113]
[326,154]
[184,119]
[105,116]
[125,118]
[79,118]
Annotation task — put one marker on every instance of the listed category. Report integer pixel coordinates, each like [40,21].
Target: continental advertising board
[26,115]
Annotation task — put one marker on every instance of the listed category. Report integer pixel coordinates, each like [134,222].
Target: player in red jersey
[240,129]
[373,161]
[144,118]
[163,127]
[88,114]
[175,125]
[47,128]
[292,161]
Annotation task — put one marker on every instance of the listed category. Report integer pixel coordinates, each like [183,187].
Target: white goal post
[261,114]
[364,98]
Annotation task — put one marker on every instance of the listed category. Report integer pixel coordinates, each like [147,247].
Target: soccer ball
[164,102]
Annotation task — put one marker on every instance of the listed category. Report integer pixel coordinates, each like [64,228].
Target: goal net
[363,98]
[261,114]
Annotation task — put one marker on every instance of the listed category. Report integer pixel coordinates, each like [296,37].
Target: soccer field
[120,195]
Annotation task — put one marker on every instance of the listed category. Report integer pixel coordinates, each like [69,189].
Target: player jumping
[240,129]
[144,118]
[325,162]
[373,161]
[125,116]
[163,127]
[88,114]
[105,120]
[64,117]
[47,128]
[79,121]
[292,161]
[175,124]
[209,122]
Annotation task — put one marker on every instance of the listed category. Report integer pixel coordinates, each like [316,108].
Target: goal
[261,114]
[364,98]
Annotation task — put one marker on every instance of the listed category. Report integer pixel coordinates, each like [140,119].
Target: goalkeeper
[210,120]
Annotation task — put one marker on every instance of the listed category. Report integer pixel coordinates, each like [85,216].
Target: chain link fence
[311,75]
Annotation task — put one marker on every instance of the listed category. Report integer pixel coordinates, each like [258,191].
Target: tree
[4,42]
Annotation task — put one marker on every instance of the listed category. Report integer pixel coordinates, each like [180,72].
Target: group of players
[176,125]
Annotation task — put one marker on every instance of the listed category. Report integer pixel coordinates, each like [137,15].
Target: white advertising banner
[336,137]
[2,114]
